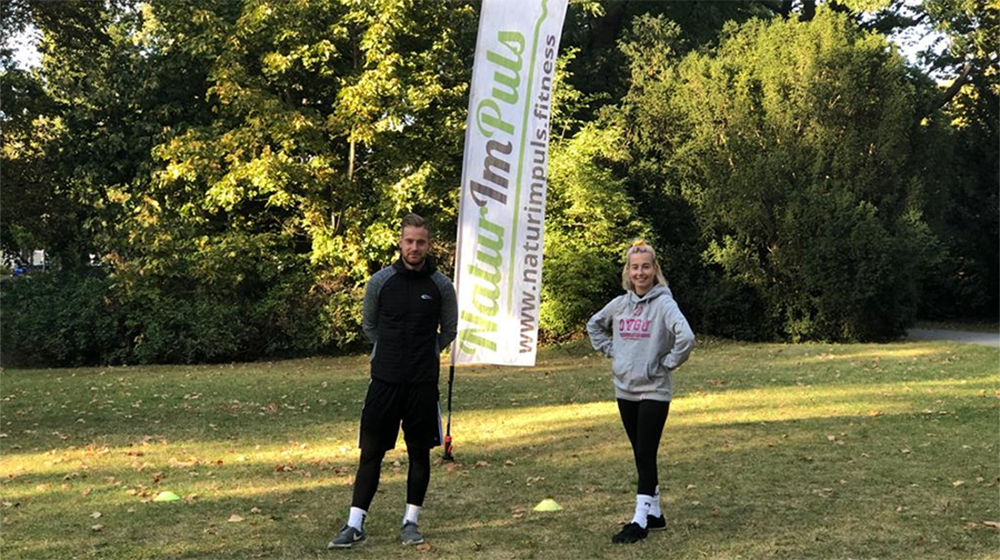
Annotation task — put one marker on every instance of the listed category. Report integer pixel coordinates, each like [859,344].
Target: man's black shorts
[386,405]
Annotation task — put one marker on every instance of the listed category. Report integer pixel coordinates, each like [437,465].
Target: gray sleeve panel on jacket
[449,310]
[369,318]
[683,337]
[599,327]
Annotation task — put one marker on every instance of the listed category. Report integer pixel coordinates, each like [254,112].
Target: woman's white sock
[654,510]
[643,503]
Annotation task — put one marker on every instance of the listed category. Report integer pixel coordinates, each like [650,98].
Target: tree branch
[952,91]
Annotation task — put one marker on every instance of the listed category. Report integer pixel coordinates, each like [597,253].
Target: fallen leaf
[97,528]
[255,509]
[235,518]
[691,487]
[958,483]
[424,547]
[482,464]
[96,514]
[992,524]
[509,463]
[831,438]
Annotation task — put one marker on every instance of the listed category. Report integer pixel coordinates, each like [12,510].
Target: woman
[650,338]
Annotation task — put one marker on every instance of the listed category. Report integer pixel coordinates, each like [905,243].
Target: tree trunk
[808,10]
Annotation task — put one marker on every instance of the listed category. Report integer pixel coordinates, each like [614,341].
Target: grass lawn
[771,451]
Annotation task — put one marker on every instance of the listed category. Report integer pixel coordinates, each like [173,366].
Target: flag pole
[447,435]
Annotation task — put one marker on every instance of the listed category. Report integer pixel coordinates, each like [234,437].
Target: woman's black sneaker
[630,533]
[656,523]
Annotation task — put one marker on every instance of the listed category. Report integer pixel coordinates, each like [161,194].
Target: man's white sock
[412,514]
[654,510]
[643,503]
[356,518]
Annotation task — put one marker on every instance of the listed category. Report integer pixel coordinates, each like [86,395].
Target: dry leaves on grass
[235,519]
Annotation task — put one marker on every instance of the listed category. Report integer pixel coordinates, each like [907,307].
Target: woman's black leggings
[417,479]
[644,421]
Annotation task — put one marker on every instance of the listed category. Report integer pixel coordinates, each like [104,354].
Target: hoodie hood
[654,292]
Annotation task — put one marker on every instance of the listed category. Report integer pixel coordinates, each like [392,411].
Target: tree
[28,198]
[241,166]
[793,143]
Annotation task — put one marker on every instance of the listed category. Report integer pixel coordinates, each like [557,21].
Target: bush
[88,318]
[58,318]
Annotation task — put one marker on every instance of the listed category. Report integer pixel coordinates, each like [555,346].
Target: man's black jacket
[403,310]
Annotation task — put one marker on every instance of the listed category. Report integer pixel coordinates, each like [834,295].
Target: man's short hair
[413,220]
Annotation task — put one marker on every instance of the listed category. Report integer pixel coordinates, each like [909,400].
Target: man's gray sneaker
[348,537]
[411,533]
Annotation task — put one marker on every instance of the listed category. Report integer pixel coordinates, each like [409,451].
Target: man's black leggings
[417,479]
[644,421]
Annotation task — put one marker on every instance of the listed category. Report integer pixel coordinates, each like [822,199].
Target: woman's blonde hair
[640,246]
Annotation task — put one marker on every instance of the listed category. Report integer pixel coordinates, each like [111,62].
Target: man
[405,304]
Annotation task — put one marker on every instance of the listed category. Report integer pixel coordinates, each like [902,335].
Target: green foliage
[793,143]
[590,222]
[965,284]
[57,319]
[240,166]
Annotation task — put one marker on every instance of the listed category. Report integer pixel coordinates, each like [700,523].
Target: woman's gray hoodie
[650,339]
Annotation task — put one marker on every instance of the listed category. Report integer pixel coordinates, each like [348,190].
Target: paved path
[968,337]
